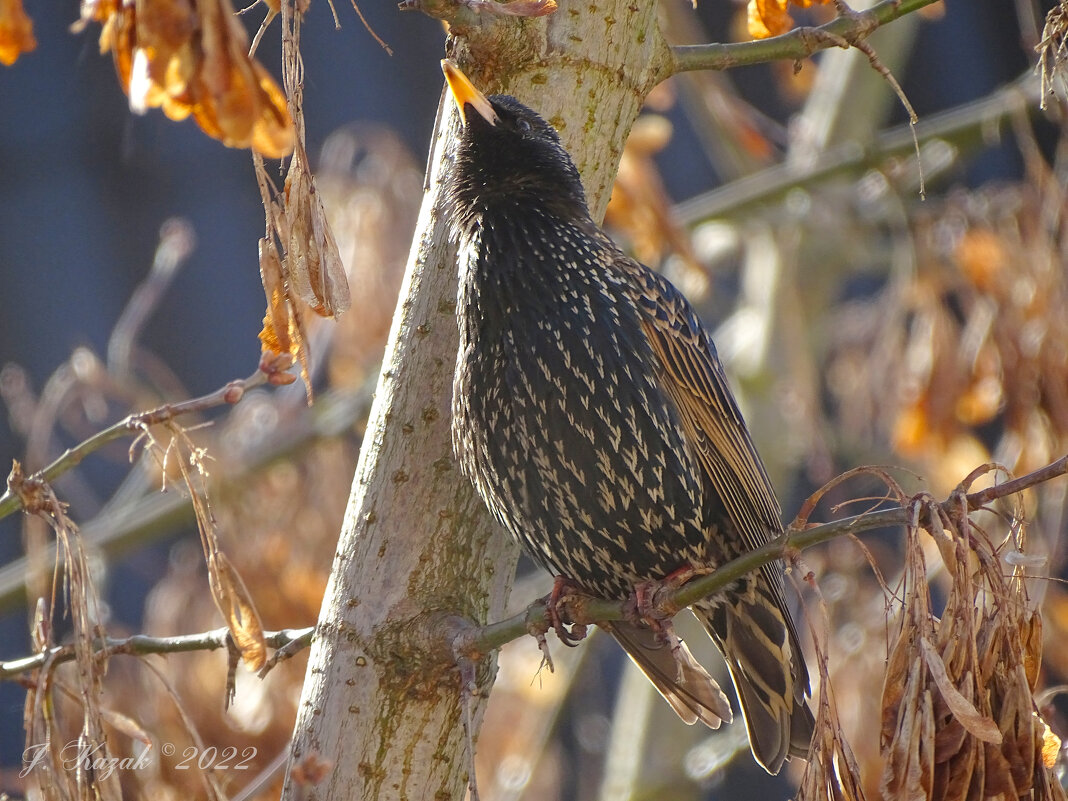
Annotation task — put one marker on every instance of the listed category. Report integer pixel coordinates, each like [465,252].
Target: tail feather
[765,661]
[676,674]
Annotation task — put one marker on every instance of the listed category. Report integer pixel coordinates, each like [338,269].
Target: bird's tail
[761,648]
[675,673]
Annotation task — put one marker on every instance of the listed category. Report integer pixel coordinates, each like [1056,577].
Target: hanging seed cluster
[959,719]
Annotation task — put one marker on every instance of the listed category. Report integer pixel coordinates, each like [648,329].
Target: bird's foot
[558,618]
[647,603]
[648,606]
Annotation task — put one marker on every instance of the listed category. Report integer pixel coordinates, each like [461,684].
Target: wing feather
[693,378]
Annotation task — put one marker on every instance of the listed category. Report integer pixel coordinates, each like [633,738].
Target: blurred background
[861,325]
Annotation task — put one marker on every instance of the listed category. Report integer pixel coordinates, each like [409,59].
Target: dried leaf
[1022,742]
[189,57]
[273,134]
[1051,744]
[283,324]
[955,777]
[831,771]
[949,740]
[16,32]
[766,18]
[898,668]
[998,781]
[963,710]
[907,770]
[1031,635]
[163,62]
[275,335]
[74,581]
[233,600]
[312,261]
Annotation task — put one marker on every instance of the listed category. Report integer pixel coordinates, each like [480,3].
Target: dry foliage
[300,263]
[968,343]
[280,531]
[16,32]
[51,694]
[831,771]
[283,323]
[959,715]
[190,57]
[767,18]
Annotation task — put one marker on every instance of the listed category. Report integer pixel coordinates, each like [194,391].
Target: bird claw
[646,603]
[646,606]
[557,621]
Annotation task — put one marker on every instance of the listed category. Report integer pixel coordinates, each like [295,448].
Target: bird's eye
[523,125]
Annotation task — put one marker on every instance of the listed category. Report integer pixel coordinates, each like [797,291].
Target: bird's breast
[558,415]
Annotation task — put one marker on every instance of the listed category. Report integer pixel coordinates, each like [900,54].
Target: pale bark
[381,699]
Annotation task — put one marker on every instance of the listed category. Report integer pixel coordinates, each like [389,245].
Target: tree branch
[961,126]
[17,496]
[797,44]
[471,642]
[287,641]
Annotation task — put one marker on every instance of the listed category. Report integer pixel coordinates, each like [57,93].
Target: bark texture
[381,702]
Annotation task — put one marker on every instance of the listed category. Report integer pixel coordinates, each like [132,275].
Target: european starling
[591,412]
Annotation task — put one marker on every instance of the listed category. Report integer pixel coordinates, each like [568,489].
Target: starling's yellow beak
[465,94]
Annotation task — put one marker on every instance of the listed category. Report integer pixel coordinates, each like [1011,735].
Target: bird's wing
[753,629]
[693,377]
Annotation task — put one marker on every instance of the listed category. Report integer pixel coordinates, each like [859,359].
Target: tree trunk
[381,703]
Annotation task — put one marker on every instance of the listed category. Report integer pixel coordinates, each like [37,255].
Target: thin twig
[795,45]
[143,645]
[137,521]
[301,640]
[135,425]
[367,25]
[980,498]
[970,122]
[876,64]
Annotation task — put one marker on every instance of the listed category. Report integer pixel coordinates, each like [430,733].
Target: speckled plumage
[591,413]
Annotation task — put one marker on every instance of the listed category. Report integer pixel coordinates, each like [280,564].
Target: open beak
[465,94]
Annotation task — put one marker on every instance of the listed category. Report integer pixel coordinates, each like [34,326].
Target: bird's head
[509,155]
